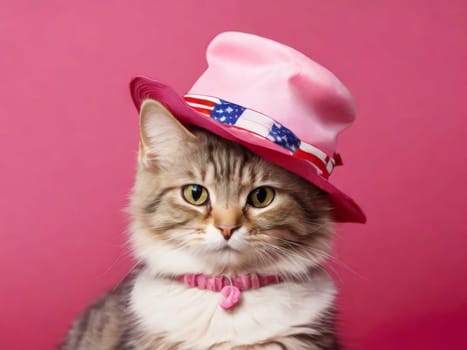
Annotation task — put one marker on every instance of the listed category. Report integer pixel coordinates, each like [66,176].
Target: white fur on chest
[193,316]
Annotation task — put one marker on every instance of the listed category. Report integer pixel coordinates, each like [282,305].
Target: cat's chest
[193,316]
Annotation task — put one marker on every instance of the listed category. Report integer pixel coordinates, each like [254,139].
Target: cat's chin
[227,256]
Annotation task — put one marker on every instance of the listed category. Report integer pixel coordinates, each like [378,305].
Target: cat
[205,206]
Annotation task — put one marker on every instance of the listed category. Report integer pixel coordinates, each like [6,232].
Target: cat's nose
[227,230]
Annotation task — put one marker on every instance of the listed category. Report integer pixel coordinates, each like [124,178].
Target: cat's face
[202,204]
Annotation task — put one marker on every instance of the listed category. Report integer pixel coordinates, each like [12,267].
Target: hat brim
[343,207]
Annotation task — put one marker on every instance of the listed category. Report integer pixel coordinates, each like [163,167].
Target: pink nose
[227,230]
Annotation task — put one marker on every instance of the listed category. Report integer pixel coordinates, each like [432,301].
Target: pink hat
[273,100]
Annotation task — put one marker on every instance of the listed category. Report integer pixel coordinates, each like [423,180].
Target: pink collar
[230,288]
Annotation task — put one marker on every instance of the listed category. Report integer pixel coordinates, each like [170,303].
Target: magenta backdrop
[68,140]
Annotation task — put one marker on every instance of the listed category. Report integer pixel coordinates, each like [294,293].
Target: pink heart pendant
[231,296]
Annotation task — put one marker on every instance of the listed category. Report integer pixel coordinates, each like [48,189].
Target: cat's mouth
[230,249]
[225,249]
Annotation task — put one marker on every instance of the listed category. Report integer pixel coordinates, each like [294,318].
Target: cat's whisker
[294,245]
[323,253]
[124,252]
[294,268]
[287,254]
[137,263]
[295,249]
[328,256]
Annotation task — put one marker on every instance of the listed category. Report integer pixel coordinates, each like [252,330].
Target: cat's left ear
[161,133]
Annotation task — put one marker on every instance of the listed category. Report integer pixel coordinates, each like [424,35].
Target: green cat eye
[261,197]
[195,194]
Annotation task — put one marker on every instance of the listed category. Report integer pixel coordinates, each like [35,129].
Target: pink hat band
[239,117]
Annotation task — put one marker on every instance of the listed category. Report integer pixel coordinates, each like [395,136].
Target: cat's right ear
[161,134]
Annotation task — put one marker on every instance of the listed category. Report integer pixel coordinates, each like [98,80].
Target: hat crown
[280,82]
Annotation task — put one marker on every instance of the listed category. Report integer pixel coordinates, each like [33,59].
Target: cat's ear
[161,134]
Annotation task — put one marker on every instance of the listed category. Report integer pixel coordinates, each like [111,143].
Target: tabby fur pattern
[151,310]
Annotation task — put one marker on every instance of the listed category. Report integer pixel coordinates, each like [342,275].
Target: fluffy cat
[202,205]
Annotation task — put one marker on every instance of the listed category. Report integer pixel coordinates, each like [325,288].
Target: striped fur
[291,237]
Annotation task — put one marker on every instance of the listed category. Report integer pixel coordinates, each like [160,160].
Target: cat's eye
[195,194]
[261,197]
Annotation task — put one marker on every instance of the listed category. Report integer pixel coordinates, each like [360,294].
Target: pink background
[68,140]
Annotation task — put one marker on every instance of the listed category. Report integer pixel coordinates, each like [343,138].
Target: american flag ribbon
[236,116]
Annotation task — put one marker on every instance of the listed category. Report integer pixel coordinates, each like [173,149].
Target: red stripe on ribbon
[312,159]
[206,103]
[202,110]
